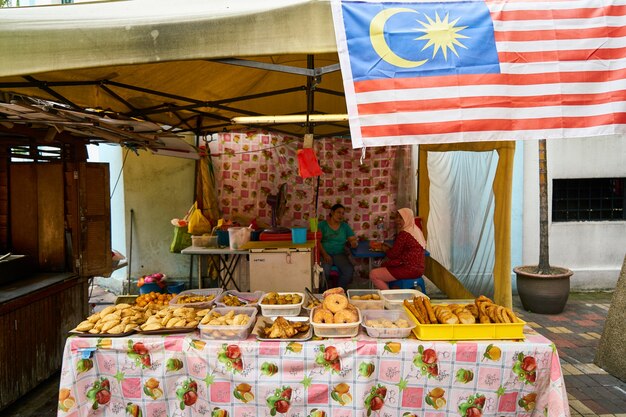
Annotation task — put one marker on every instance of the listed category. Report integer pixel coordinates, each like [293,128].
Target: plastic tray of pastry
[245,298]
[210,331]
[394,299]
[335,329]
[366,304]
[263,322]
[476,331]
[168,330]
[285,310]
[206,292]
[392,316]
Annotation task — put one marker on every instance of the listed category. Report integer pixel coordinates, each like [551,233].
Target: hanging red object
[307,162]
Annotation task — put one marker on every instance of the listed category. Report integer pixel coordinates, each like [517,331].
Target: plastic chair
[410,283]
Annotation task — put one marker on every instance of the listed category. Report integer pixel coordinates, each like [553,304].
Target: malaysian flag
[460,71]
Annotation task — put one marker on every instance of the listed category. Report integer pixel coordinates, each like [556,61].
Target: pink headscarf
[410,227]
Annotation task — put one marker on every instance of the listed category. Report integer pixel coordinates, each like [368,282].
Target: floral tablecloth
[182,375]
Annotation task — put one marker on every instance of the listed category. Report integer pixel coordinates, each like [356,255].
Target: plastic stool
[409,283]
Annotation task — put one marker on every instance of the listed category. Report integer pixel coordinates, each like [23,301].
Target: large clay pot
[543,294]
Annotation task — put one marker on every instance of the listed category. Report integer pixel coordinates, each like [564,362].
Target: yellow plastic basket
[491,331]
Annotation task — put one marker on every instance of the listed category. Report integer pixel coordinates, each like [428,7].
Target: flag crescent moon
[377,37]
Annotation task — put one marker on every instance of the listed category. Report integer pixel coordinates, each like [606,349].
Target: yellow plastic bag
[198,224]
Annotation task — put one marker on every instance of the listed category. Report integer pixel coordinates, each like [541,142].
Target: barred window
[588,199]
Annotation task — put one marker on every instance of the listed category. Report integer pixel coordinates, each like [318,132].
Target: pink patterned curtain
[249,166]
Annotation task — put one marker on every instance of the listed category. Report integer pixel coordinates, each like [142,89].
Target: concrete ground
[575,332]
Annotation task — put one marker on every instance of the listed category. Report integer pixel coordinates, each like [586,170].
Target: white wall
[157,189]
[593,250]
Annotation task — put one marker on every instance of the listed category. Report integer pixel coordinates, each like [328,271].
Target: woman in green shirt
[335,234]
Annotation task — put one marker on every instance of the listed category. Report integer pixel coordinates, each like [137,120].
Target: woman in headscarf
[405,259]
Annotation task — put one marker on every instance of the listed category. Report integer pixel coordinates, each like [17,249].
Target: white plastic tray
[335,330]
[366,304]
[208,331]
[267,321]
[258,295]
[205,304]
[307,299]
[391,333]
[285,310]
[394,299]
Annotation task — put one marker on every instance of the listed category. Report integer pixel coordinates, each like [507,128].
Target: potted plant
[543,288]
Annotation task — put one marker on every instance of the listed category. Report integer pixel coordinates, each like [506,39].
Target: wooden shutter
[94,213]
[37,227]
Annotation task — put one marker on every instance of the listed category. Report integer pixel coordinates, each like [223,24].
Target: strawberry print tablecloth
[182,375]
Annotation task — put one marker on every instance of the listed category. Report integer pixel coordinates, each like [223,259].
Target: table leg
[229,269]
[199,271]
[214,262]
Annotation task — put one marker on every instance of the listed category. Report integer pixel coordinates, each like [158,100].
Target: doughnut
[336,290]
[322,315]
[335,302]
[352,307]
[346,316]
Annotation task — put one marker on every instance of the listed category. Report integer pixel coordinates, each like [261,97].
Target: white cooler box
[281,269]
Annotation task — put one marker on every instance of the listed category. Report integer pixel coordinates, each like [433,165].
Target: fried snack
[285,329]
[465,317]
[228,319]
[273,298]
[365,297]
[511,315]
[387,324]
[335,302]
[429,310]
[191,298]
[114,320]
[322,315]
[472,309]
[330,291]
[411,307]
[445,315]
[345,316]
[419,306]
[484,299]
[483,317]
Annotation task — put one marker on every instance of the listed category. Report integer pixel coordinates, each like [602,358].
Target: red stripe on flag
[490,102]
[556,14]
[564,55]
[487,125]
[488,79]
[560,34]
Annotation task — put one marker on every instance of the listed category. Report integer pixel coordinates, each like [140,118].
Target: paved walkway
[576,333]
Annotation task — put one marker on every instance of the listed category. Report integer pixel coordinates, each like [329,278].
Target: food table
[225,261]
[182,375]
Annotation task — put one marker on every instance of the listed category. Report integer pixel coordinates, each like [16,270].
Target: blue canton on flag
[396,40]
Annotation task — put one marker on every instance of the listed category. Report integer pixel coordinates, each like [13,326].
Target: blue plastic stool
[410,283]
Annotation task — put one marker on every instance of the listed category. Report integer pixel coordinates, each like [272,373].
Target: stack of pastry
[335,309]
[482,311]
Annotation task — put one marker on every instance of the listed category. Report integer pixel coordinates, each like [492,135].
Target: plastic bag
[307,162]
[182,239]
[198,224]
